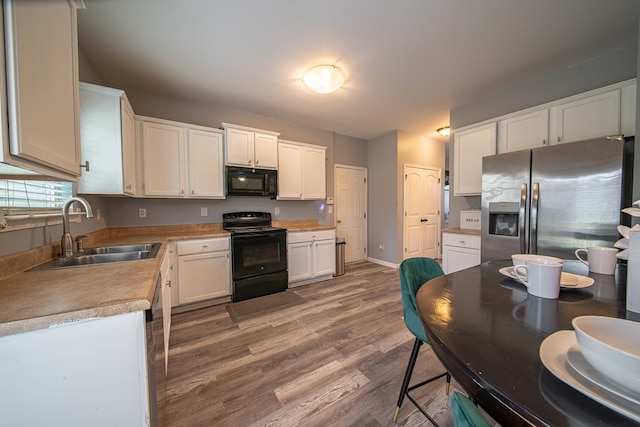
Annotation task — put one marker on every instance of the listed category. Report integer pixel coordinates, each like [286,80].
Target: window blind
[20,197]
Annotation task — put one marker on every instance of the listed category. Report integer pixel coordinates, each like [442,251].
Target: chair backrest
[465,413]
[414,272]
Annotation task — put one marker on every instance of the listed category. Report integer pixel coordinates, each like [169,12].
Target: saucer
[553,354]
[578,363]
[567,280]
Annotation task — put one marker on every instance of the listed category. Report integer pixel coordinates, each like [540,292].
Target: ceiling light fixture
[324,78]
[444,131]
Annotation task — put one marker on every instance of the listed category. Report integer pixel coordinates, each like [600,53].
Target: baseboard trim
[381,262]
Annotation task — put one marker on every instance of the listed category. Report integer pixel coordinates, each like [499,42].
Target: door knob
[339,221]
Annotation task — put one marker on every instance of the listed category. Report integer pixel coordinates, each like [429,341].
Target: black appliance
[258,255]
[251,182]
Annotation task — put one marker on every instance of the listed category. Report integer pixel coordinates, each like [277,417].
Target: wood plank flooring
[336,360]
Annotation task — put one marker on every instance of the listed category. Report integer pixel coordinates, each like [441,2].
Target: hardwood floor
[336,360]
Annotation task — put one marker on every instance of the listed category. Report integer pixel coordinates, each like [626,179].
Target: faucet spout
[66,242]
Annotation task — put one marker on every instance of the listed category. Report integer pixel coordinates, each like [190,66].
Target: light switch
[204,211]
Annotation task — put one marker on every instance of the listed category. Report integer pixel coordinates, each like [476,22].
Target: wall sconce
[324,78]
[444,131]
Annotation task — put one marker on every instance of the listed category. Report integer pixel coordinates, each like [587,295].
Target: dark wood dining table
[486,330]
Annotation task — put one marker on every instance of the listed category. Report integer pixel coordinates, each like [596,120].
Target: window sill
[24,222]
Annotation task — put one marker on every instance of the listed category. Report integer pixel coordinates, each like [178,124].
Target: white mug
[542,277]
[600,260]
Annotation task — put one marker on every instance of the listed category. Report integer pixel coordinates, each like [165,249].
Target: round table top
[487,331]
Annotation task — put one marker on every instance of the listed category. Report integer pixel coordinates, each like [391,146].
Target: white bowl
[612,347]
[521,259]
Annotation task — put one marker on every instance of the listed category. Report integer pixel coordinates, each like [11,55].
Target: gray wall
[611,67]
[382,196]
[350,151]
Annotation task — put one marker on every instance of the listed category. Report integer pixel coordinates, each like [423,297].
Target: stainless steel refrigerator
[554,200]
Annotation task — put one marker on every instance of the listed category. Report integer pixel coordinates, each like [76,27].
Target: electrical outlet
[381,247]
[276,211]
[142,213]
[204,211]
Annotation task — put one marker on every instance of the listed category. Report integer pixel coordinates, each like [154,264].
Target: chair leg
[407,376]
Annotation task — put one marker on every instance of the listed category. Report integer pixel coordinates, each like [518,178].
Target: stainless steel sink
[104,255]
[120,249]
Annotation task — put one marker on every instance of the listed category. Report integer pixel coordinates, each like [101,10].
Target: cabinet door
[163,160]
[299,260]
[455,258]
[42,83]
[470,146]
[203,276]
[324,257]
[205,164]
[588,118]
[266,151]
[128,148]
[239,144]
[529,130]
[289,172]
[314,174]
[165,274]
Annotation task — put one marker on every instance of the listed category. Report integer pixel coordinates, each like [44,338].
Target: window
[30,197]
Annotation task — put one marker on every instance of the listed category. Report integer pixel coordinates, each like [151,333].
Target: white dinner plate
[567,280]
[553,353]
[576,360]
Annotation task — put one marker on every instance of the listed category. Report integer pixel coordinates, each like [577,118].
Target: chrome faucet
[67,241]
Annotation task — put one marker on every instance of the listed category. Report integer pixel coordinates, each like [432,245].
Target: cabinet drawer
[310,236]
[203,245]
[461,240]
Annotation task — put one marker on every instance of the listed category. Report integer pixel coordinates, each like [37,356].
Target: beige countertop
[458,230]
[31,300]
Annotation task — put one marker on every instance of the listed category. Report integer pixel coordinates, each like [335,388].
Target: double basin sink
[104,255]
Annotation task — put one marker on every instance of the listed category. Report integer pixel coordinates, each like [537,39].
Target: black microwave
[251,182]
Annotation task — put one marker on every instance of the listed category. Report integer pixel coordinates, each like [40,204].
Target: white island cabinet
[310,256]
[86,373]
[41,49]
[460,251]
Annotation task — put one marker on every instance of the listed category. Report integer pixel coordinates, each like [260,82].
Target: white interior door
[351,210]
[422,190]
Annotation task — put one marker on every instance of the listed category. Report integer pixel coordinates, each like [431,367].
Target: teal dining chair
[465,413]
[414,272]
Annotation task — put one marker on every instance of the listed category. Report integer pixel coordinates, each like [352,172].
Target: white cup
[542,277]
[600,260]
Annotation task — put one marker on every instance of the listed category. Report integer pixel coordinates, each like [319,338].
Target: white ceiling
[408,62]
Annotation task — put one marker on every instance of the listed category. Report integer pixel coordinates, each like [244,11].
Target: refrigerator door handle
[521,216]
[533,224]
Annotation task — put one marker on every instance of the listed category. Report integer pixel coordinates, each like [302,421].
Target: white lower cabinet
[204,269]
[459,251]
[84,373]
[310,256]
[166,275]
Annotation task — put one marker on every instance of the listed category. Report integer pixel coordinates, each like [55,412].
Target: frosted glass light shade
[444,131]
[324,78]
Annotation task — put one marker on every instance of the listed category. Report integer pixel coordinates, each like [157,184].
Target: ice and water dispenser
[503,218]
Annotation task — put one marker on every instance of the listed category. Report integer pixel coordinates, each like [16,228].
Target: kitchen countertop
[31,300]
[458,230]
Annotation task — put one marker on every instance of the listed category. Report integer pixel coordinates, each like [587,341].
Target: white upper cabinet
[42,87]
[249,147]
[529,130]
[586,118]
[470,146]
[164,156]
[107,135]
[181,160]
[301,171]
[206,177]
